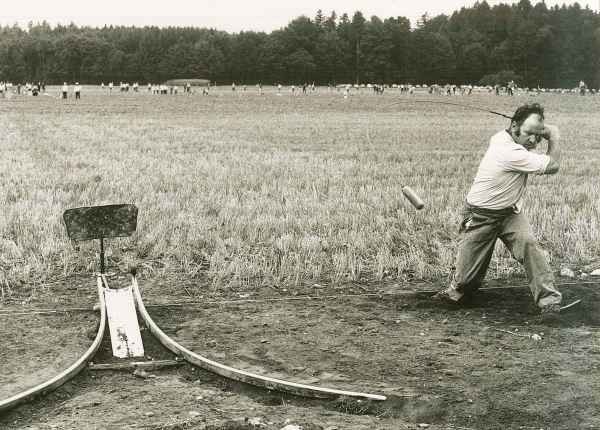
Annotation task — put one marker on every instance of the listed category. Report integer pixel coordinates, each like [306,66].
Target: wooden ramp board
[237,374]
[125,334]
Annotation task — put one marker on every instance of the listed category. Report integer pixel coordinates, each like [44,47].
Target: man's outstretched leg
[518,238]
[478,235]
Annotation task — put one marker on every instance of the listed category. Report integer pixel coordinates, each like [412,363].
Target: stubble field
[246,190]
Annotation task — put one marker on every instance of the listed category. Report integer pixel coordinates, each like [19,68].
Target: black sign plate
[97,222]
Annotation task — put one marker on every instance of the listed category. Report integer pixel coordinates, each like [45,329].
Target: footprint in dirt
[412,409]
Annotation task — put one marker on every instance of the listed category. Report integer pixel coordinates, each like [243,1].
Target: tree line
[532,44]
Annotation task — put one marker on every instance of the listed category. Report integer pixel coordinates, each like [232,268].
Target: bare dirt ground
[441,368]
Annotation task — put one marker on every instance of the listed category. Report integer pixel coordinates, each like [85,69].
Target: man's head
[527,125]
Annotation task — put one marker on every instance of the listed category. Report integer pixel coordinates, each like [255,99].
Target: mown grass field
[249,190]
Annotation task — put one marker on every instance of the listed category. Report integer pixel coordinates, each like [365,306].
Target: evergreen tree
[549,47]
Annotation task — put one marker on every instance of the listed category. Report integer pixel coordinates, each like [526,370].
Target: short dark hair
[523,112]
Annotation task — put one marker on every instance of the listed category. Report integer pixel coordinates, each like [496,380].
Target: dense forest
[533,44]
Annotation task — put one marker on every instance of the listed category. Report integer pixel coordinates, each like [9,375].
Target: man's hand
[550,132]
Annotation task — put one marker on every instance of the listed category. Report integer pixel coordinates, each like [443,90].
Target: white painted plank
[123,324]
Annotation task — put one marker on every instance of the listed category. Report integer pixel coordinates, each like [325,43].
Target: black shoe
[550,313]
[443,298]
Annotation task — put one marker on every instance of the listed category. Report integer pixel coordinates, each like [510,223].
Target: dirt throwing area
[476,367]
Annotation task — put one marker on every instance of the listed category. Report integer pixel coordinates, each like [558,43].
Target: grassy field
[249,190]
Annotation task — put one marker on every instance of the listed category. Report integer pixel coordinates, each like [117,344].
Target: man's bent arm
[553,151]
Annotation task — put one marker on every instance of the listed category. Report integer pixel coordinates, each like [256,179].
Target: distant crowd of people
[151,88]
[510,88]
[29,88]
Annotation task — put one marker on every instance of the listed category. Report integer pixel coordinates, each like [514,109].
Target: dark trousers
[479,230]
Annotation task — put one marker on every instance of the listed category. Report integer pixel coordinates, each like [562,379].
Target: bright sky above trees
[227,15]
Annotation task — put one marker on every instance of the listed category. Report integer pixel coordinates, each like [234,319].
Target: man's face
[528,134]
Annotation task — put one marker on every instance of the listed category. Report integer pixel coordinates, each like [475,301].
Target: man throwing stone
[493,210]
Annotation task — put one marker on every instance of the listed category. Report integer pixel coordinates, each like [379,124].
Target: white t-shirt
[502,175]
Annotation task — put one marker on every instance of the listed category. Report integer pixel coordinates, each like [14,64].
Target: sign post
[100,222]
